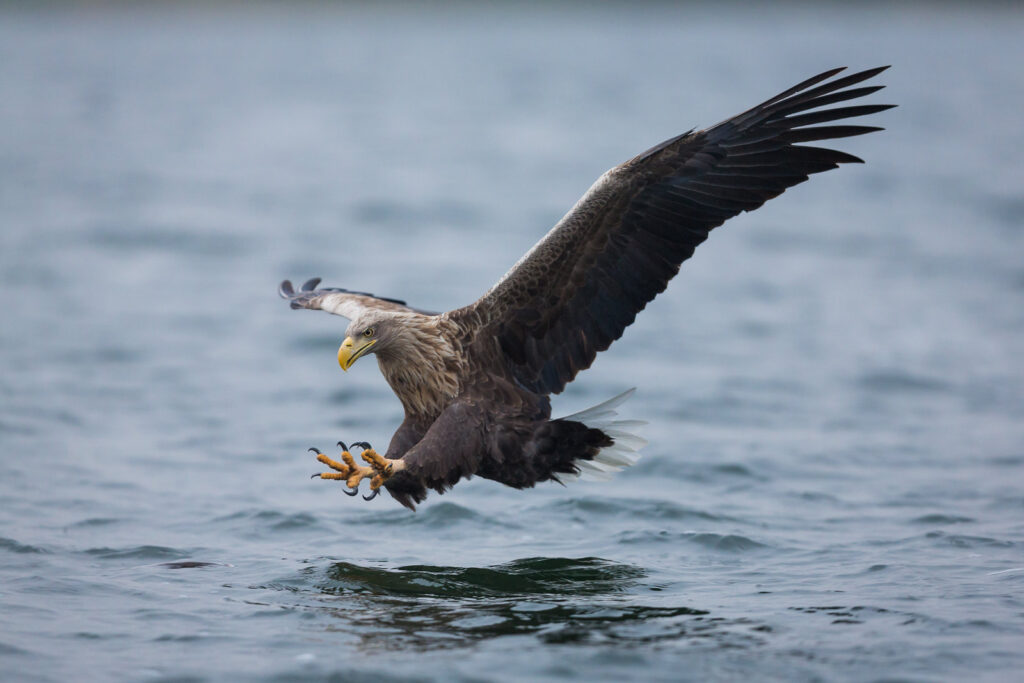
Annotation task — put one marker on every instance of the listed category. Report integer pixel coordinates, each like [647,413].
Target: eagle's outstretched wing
[343,302]
[575,292]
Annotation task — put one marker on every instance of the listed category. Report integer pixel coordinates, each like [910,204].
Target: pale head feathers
[416,355]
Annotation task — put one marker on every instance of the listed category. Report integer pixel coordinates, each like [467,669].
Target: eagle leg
[347,470]
[379,468]
[382,468]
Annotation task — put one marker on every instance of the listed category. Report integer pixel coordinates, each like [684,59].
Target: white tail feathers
[622,453]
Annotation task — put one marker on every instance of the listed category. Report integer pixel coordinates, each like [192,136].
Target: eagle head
[372,332]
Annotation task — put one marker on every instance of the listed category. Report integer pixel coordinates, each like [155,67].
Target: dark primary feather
[585,281]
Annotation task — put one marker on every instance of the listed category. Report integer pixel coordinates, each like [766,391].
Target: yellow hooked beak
[350,351]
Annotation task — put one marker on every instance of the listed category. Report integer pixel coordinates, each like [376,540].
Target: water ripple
[964,541]
[645,509]
[260,522]
[10,545]
[140,552]
[889,381]
[729,543]
[938,518]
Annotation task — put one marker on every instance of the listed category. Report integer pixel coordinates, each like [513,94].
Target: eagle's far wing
[575,292]
[338,301]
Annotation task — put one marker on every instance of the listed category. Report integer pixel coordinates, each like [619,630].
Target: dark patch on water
[728,543]
[584,509]
[890,381]
[939,518]
[10,650]
[113,355]
[532,576]
[142,552]
[191,564]
[1008,211]
[10,545]
[964,541]
[7,427]
[96,522]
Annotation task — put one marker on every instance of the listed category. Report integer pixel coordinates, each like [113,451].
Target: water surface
[834,383]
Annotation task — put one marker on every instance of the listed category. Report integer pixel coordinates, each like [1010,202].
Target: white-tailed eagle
[475,382]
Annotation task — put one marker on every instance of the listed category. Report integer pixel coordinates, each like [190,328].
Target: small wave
[731,543]
[191,564]
[140,552]
[727,542]
[841,615]
[737,470]
[19,429]
[95,521]
[269,520]
[964,541]
[815,496]
[91,635]
[646,509]
[889,381]
[300,520]
[1006,210]
[8,650]
[10,545]
[938,518]
[112,355]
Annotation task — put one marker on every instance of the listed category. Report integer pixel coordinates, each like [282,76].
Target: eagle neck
[422,367]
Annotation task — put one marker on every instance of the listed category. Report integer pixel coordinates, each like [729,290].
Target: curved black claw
[342,446]
[350,492]
[372,495]
[362,444]
[315,476]
[315,450]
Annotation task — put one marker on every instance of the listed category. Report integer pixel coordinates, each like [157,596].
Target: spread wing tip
[287,291]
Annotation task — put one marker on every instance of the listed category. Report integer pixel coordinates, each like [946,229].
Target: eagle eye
[368,332]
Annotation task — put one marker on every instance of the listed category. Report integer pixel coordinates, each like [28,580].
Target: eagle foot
[378,468]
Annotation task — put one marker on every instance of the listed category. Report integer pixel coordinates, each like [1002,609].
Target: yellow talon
[376,460]
[333,464]
[379,469]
